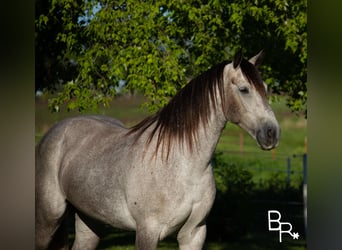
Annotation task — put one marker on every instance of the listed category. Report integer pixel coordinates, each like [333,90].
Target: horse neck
[208,136]
[173,147]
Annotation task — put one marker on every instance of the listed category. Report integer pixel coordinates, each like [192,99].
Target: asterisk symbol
[295,236]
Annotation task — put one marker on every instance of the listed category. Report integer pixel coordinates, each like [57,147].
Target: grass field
[124,241]
[263,164]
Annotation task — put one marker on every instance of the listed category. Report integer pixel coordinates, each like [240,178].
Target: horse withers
[155,178]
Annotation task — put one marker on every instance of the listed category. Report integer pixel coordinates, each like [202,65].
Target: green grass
[118,240]
[263,163]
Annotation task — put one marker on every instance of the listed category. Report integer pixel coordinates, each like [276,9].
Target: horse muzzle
[268,136]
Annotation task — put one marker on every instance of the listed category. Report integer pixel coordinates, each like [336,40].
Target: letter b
[274,220]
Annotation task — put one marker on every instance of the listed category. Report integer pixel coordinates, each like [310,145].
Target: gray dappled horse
[156,177]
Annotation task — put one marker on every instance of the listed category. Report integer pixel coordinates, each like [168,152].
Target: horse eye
[244,90]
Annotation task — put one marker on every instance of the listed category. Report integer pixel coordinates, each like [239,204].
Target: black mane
[190,107]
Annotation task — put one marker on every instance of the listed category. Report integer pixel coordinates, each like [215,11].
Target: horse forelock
[253,76]
[180,119]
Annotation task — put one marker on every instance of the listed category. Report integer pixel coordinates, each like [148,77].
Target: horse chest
[194,203]
[170,200]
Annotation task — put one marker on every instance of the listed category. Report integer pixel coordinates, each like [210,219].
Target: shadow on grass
[258,241]
[123,240]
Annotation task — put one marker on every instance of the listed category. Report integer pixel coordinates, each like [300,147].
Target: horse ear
[257,59]
[237,58]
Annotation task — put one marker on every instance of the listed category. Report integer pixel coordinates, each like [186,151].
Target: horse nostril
[270,132]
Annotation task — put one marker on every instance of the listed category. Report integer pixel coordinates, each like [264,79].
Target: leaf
[155,47]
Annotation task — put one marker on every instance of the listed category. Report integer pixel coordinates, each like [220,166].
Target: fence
[290,167]
[296,210]
[242,149]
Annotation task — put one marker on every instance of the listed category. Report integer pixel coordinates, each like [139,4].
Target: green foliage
[231,179]
[239,200]
[154,47]
[57,31]
[281,28]
[230,216]
[276,188]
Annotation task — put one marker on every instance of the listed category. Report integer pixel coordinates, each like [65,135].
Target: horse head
[246,102]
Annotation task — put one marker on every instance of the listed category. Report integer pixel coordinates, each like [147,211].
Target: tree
[155,47]
[54,21]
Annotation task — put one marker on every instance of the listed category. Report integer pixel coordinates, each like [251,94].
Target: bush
[230,217]
[276,188]
[240,201]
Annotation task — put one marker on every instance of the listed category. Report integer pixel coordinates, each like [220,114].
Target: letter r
[282,230]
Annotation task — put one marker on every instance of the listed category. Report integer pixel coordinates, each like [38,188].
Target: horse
[156,177]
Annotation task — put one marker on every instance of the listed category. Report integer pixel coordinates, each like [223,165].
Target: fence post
[305,191]
[305,168]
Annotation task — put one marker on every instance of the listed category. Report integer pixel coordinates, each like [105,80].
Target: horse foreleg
[85,237]
[192,234]
[192,239]
[146,238]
